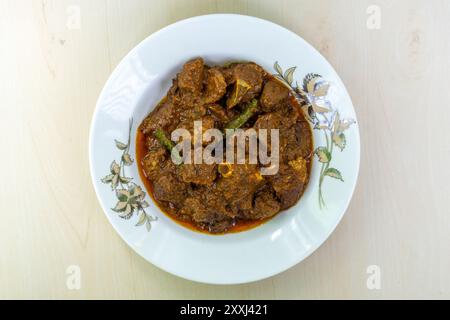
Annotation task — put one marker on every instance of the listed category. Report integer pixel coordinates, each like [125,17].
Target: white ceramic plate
[141,81]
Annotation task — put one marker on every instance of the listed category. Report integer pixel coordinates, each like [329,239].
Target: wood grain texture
[398,77]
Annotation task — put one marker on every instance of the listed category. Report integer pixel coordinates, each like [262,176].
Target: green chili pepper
[168,144]
[249,111]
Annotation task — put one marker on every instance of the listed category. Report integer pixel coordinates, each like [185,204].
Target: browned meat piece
[151,142]
[289,146]
[195,209]
[164,117]
[153,163]
[169,189]
[209,212]
[227,71]
[276,120]
[216,203]
[216,87]
[266,206]
[191,113]
[218,112]
[208,122]
[250,73]
[243,208]
[270,121]
[295,137]
[190,78]
[238,181]
[301,168]
[261,205]
[201,174]
[201,211]
[304,139]
[296,141]
[273,95]
[288,186]
[244,204]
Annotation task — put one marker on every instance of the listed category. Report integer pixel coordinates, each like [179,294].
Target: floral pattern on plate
[130,196]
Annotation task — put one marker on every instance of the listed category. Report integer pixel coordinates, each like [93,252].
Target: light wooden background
[398,77]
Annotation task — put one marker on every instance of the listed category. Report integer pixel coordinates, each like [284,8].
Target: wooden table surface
[393,57]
